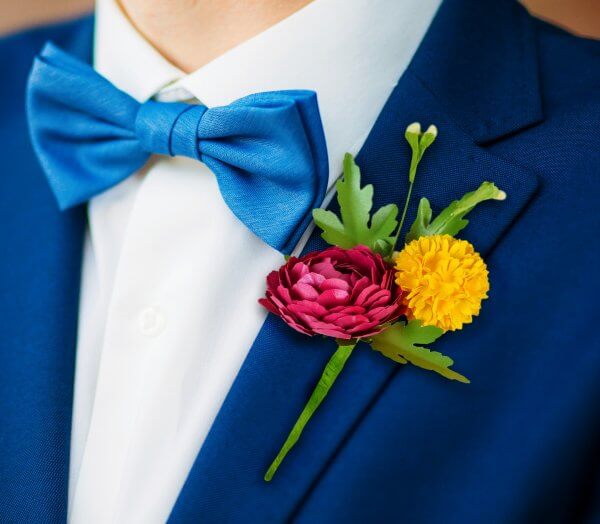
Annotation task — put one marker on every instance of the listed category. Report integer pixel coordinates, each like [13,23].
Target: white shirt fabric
[171,277]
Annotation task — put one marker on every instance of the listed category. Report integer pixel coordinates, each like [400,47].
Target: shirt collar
[122,55]
[350,52]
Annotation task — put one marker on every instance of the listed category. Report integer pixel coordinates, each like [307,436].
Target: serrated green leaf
[355,202]
[451,220]
[399,343]
[334,232]
[384,222]
[356,225]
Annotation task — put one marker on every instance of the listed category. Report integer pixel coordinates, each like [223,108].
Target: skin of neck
[191,33]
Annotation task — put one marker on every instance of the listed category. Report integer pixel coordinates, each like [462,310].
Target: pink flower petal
[360,284]
[272,279]
[330,331]
[334,283]
[283,294]
[268,305]
[300,328]
[308,307]
[304,291]
[333,297]
[364,330]
[326,269]
[382,314]
[348,310]
[312,278]
[274,299]
[380,298]
[298,271]
[307,320]
[365,294]
[349,321]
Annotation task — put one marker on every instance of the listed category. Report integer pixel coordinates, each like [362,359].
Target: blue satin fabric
[267,150]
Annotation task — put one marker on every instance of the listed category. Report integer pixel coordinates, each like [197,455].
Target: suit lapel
[282,367]
[39,289]
[462,79]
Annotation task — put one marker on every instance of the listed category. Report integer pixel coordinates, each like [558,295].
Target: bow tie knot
[169,128]
[266,150]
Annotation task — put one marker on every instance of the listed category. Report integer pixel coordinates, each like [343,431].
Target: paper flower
[444,279]
[348,292]
[341,293]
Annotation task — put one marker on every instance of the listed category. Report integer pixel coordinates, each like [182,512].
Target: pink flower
[341,293]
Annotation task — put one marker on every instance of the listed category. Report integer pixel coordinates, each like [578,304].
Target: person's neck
[191,33]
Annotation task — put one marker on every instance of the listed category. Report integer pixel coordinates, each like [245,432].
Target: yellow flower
[444,280]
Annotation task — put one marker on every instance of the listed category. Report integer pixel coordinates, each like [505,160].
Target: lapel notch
[479,59]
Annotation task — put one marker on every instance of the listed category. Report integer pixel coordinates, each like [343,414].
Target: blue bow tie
[267,150]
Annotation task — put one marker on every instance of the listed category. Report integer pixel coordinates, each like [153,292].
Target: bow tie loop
[267,150]
[169,128]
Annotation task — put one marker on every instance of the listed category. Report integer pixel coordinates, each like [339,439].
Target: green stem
[416,155]
[330,373]
[408,195]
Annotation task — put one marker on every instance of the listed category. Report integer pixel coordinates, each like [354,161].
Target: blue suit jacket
[516,102]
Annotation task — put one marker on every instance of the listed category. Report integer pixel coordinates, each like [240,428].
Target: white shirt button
[151,321]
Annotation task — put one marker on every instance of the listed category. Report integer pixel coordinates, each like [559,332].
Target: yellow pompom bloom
[444,280]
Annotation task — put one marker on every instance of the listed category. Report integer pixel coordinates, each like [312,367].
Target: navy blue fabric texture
[517,102]
[267,150]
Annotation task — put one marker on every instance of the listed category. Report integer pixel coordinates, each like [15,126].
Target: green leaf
[355,202]
[451,220]
[384,248]
[356,225]
[421,223]
[399,342]
[384,222]
[334,232]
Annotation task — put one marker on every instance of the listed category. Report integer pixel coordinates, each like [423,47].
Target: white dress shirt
[171,277]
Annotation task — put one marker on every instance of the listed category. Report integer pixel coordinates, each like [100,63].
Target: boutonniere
[361,289]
